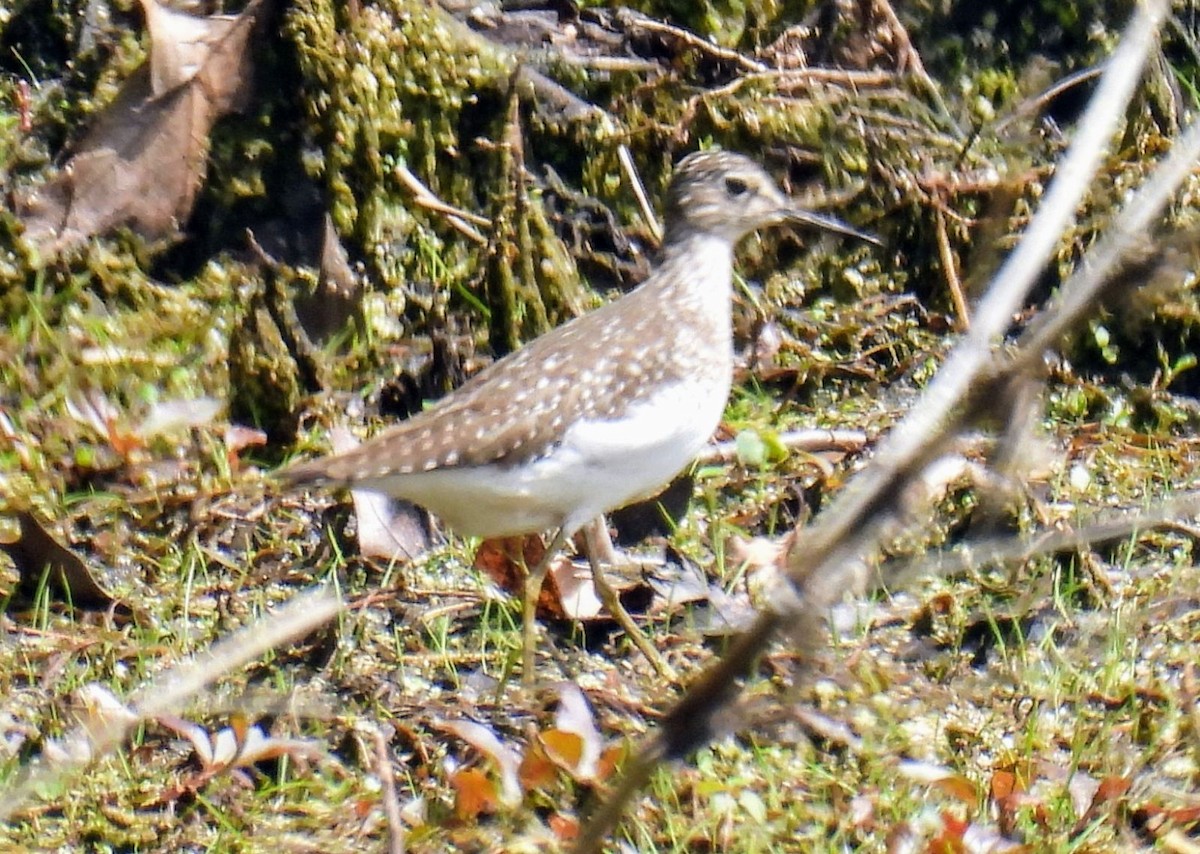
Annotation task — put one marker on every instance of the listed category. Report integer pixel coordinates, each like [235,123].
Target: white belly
[599,466]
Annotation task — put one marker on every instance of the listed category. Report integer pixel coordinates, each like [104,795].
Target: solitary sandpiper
[597,413]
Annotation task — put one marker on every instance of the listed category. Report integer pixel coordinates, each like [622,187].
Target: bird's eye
[736,187]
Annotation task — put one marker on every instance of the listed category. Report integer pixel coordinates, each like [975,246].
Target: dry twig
[639,191]
[391,803]
[962,320]
[461,220]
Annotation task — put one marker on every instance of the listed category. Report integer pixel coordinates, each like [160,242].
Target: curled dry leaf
[941,778]
[1105,794]
[537,770]
[167,416]
[574,717]
[564,827]
[37,554]
[568,591]
[387,529]
[95,410]
[338,294]
[574,745]
[144,159]
[237,438]
[1167,823]
[238,745]
[573,591]
[100,716]
[494,558]
[506,760]
[180,44]
[958,835]
[1013,803]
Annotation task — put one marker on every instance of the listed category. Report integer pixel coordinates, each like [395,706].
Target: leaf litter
[144,158]
[957,832]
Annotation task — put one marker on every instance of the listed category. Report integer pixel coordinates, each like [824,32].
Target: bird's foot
[612,602]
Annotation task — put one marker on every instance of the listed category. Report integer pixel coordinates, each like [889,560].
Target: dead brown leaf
[572,591]
[144,159]
[1168,824]
[239,745]
[494,558]
[574,746]
[537,769]
[387,529]
[564,749]
[338,295]
[565,828]
[576,740]
[1105,794]
[941,778]
[568,591]
[94,409]
[36,553]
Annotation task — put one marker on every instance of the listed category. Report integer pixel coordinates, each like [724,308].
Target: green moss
[395,87]
[272,363]
[390,87]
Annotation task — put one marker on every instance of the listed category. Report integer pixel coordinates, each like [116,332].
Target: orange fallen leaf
[1004,783]
[565,828]
[537,770]
[565,749]
[474,793]
[506,760]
